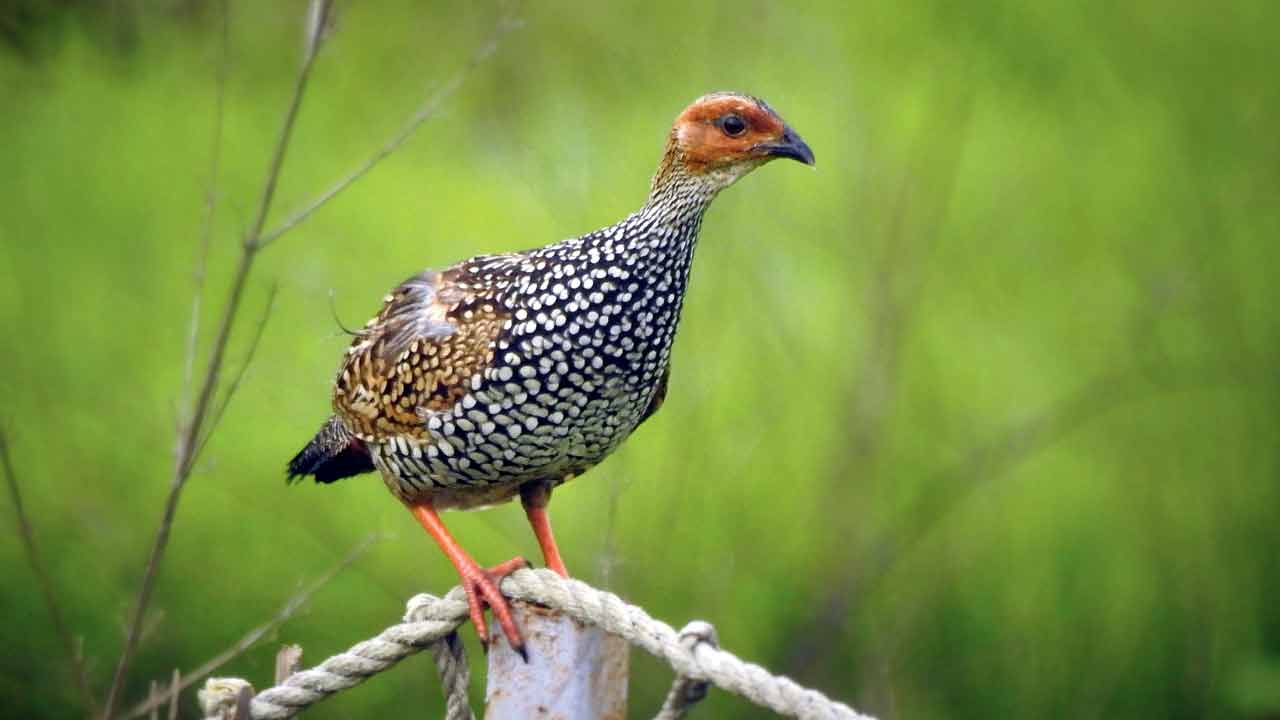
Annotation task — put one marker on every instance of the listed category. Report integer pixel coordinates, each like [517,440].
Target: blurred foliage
[978,419]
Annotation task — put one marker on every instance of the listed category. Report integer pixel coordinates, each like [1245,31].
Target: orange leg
[480,584]
[535,498]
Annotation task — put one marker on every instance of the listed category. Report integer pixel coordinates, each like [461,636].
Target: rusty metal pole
[575,672]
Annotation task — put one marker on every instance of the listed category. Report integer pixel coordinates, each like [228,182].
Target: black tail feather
[333,454]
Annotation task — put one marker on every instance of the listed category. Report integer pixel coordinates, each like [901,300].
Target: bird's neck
[677,191]
[660,237]
[672,214]
[665,229]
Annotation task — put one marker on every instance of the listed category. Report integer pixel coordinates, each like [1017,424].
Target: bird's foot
[481,586]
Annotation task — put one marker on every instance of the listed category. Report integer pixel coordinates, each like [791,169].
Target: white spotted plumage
[567,383]
[528,368]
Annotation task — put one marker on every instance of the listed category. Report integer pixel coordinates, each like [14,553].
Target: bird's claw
[481,586]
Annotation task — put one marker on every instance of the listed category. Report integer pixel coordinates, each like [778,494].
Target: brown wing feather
[417,355]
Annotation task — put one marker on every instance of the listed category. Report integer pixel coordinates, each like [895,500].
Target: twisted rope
[686,691]
[430,621]
[455,677]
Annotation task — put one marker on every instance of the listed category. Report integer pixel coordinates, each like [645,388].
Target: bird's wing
[659,396]
[435,332]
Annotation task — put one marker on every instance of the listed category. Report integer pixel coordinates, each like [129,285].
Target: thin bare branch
[175,689]
[205,412]
[428,109]
[288,661]
[251,638]
[28,536]
[236,379]
[153,698]
[188,442]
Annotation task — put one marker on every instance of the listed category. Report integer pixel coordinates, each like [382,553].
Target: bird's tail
[334,453]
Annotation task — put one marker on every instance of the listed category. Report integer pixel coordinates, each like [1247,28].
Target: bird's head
[722,137]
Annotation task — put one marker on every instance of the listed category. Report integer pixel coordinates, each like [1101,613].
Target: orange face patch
[721,130]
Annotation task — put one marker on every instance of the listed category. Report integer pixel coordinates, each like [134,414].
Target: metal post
[575,672]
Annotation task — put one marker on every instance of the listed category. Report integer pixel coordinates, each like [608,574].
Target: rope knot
[688,690]
[424,607]
[225,699]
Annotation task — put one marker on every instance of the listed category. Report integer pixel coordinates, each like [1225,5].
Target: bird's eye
[732,125]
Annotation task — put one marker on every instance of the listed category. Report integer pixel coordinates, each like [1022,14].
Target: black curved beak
[790,145]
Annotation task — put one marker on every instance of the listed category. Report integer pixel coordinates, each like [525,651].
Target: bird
[509,374]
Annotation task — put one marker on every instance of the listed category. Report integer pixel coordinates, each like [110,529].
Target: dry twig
[288,662]
[175,689]
[251,638]
[425,112]
[234,385]
[153,699]
[205,413]
[28,536]
[190,434]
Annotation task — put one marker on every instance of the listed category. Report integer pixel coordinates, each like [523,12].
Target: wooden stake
[574,672]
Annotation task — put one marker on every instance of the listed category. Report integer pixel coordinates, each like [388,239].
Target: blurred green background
[977,419]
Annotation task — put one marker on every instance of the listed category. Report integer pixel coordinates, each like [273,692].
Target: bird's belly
[566,385]
[481,451]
